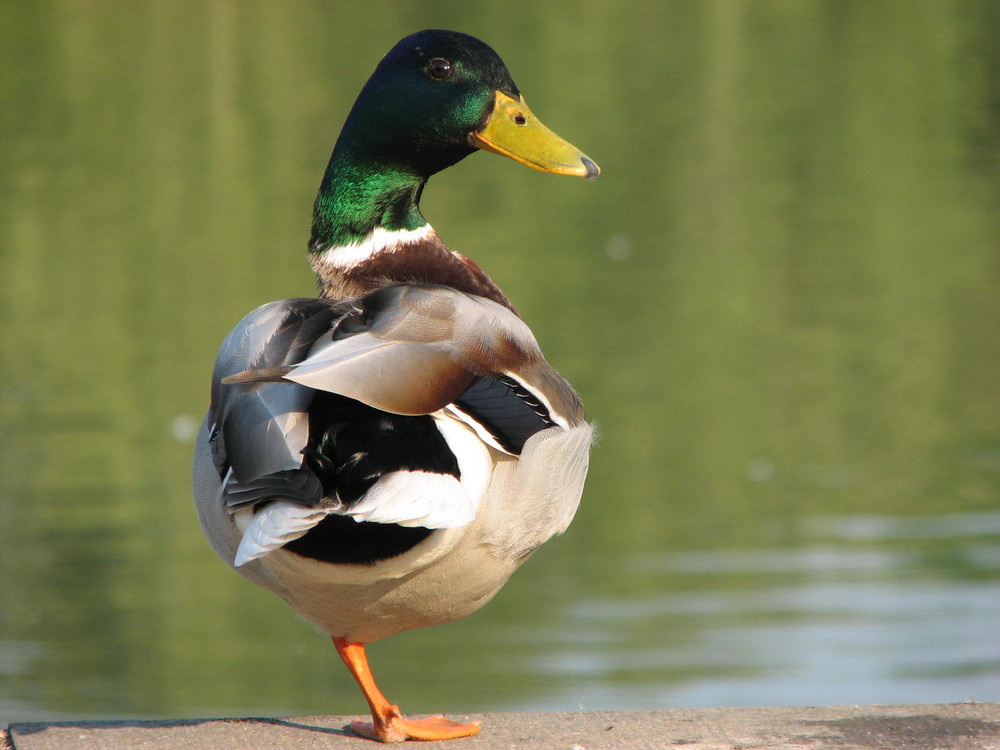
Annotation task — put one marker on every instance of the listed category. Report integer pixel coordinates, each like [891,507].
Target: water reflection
[868,614]
[779,302]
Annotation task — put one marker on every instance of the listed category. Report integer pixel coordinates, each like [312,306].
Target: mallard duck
[384,456]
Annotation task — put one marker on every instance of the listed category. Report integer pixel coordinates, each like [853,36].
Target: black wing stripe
[507,410]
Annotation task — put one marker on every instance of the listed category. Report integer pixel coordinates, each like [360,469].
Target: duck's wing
[398,354]
[416,349]
[258,431]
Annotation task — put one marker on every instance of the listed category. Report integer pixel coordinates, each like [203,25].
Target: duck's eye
[439,69]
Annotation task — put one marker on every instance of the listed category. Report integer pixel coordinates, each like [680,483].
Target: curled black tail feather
[352,445]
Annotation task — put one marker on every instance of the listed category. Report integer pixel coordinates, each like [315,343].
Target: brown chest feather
[424,262]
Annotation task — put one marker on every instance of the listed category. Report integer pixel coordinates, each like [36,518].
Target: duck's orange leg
[388,724]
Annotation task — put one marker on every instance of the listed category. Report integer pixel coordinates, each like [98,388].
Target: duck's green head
[435,98]
[438,95]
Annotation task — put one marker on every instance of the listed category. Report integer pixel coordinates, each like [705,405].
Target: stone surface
[958,726]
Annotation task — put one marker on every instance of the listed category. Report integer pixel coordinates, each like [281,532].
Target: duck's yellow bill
[513,131]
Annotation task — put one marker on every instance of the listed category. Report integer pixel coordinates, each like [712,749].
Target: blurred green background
[780,302]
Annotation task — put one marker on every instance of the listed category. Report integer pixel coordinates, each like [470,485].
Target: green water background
[780,302]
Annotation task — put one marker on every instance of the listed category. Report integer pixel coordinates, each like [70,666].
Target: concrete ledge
[931,727]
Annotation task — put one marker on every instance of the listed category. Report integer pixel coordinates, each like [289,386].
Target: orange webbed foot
[396,728]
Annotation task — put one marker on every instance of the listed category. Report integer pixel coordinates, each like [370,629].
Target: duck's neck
[358,196]
[368,232]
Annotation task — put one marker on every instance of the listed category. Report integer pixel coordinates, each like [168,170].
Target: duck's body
[421,518]
[385,456]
